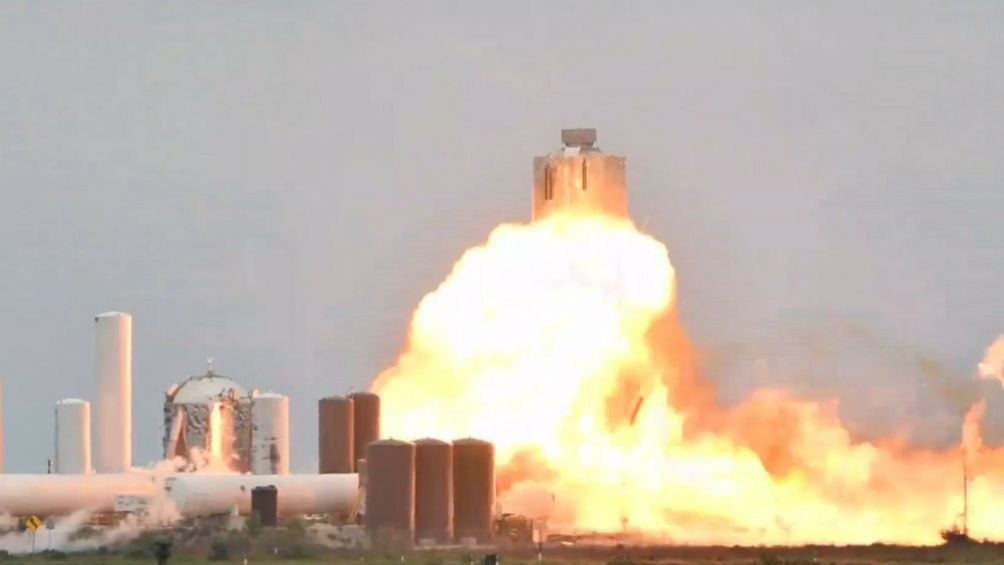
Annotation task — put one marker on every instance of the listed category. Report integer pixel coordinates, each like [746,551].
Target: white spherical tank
[270,434]
[113,401]
[73,437]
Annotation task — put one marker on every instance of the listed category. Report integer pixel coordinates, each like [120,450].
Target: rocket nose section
[578,137]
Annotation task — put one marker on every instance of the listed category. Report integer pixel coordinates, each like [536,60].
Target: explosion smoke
[992,366]
[559,341]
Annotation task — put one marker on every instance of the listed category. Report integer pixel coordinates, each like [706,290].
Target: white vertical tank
[73,437]
[113,401]
[270,434]
[1,425]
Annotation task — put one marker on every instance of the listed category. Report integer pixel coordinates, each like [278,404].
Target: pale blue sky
[277,184]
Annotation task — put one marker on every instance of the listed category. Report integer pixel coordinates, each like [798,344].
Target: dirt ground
[970,553]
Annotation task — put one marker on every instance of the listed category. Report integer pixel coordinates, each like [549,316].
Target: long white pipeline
[193,494]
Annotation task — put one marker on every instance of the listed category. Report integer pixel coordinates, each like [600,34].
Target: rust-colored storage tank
[366,407]
[433,490]
[390,491]
[473,489]
[336,423]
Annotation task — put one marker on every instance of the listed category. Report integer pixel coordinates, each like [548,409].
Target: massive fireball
[558,341]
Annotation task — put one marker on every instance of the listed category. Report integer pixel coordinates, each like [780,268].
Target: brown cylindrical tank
[265,503]
[473,489]
[336,422]
[366,407]
[433,490]
[390,490]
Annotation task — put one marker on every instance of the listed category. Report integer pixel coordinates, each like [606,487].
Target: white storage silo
[270,434]
[73,437]
[1,425]
[113,401]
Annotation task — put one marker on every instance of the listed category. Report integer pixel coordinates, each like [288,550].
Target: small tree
[253,525]
[162,551]
[218,551]
[297,529]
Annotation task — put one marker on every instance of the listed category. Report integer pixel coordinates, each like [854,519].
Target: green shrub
[219,551]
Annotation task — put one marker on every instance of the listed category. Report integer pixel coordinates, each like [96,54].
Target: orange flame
[559,342]
[216,432]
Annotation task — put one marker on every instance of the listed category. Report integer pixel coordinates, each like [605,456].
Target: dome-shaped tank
[205,388]
[473,489]
[433,490]
[366,408]
[390,490]
[335,416]
[208,421]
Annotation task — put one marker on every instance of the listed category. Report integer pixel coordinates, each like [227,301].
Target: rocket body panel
[580,179]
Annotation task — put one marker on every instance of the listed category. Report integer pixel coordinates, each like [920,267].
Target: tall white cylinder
[73,437]
[270,434]
[1,425]
[113,401]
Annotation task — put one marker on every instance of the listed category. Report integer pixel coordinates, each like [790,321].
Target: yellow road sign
[33,523]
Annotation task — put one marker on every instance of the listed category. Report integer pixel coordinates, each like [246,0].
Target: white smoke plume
[992,366]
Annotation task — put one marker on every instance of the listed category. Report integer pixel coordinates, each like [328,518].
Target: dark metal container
[433,490]
[336,436]
[366,419]
[473,489]
[265,503]
[390,490]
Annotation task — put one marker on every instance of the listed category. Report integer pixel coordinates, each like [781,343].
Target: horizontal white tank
[270,434]
[54,495]
[73,437]
[203,494]
[193,494]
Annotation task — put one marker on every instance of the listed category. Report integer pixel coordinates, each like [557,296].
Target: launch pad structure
[452,492]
